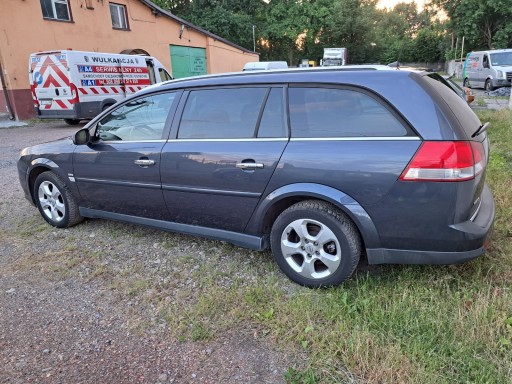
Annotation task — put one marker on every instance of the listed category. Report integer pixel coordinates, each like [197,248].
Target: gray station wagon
[322,166]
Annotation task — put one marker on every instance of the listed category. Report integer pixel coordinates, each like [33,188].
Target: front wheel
[55,201]
[315,244]
[488,86]
[72,121]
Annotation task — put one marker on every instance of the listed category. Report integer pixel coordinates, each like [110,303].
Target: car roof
[340,74]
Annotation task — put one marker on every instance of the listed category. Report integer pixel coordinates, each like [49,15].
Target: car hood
[57,146]
[504,67]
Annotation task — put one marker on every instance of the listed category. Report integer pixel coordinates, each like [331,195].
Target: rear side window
[331,112]
[463,113]
[221,113]
[272,123]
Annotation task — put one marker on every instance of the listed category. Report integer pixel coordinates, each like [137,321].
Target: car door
[472,69]
[225,149]
[120,170]
[485,70]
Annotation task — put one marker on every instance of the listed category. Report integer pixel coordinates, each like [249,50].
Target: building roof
[158,10]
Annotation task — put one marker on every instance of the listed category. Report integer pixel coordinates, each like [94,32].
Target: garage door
[187,61]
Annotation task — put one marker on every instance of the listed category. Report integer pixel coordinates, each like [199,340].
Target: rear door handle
[144,162]
[249,166]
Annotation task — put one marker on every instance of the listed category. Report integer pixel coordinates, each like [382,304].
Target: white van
[265,65]
[488,69]
[75,85]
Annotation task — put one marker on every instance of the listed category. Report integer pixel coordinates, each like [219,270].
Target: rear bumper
[475,233]
[56,114]
[399,256]
[82,110]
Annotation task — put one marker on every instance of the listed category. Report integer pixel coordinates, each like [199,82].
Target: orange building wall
[224,58]
[23,31]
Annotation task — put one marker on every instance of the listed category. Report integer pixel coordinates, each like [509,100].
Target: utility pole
[510,101]
[253,39]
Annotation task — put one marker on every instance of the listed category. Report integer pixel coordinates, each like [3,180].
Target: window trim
[54,11]
[125,13]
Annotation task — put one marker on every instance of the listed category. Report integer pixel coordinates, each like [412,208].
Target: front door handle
[144,162]
[249,166]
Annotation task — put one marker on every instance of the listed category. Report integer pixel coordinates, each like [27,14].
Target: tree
[230,19]
[483,23]
[351,25]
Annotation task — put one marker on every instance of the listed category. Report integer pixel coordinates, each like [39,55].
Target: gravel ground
[61,323]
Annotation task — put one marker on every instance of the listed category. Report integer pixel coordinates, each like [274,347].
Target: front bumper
[501,83]
[24,181]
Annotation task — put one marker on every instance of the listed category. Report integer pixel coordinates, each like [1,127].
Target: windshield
[502,58]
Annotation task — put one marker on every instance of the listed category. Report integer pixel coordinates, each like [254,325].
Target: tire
[488,86]
[315,244]
[106,106]
[72,121]
[55,201]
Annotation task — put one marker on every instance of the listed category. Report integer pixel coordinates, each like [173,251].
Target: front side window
[222,113]
[486,61]
[138,120]
[118,16]
[56,10]
[325,112]
[164,75]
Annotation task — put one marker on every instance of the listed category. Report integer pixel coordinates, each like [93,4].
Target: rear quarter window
[465,116]
[317,112]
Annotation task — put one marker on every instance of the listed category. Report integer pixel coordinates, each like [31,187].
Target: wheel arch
[38,166]
[106,103]
[489,79]
[282,198]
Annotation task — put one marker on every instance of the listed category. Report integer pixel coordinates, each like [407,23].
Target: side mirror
[82,137]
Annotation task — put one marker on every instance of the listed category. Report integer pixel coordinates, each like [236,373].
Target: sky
[392,3]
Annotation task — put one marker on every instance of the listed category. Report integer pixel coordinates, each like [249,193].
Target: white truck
[76,85]
[334,57]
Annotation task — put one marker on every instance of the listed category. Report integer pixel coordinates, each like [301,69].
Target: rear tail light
[446,161]
[74,94]
[34,97]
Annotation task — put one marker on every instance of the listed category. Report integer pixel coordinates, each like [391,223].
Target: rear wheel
[488,85]
[55,201]
[106,106]
[72,121]
[315,244]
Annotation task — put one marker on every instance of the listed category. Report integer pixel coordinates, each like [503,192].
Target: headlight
[500,74]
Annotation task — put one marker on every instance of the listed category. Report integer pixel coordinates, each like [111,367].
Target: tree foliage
[292,30]
[485,24]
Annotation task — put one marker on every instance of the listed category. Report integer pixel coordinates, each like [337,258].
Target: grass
[480,101]
[388,324]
